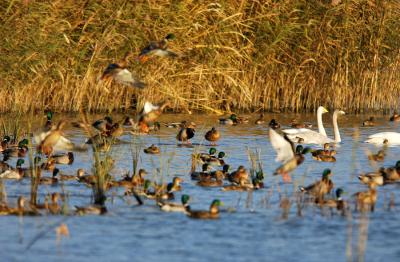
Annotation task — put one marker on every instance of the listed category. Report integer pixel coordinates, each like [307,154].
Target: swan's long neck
[336,128]
[321,128]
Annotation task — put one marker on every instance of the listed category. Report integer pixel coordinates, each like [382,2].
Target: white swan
[312,137]
[392,138]
[321,110]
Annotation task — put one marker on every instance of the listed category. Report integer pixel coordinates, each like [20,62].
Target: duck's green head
[170,37]
[398,164]
[212,151]
[299,149]
[185,199]
[108,119]
[225,168]
[306,150]
[339,193]
[24,142]
[327,172]
[20,162]
[221,154]
[49,115]
[6,139]
[204,167]
[147,184]
[233,117]
[217,203]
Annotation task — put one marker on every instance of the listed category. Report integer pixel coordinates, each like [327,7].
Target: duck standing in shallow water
[185,133]
[213,212]
[213,136]
[119,72]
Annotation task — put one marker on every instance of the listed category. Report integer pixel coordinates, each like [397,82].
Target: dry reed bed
[235,55]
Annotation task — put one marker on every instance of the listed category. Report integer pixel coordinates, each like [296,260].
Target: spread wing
[125,77]
[282,146]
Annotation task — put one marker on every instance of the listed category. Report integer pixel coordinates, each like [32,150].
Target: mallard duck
[215,180]
[152,150]
[296,124]
[119,72]
[260,120]
[243,185]
[378,157]
[175,207]
[274,124]
[213,213]
[212,135]
[325,151]
[366,199]
[286,154]
[91,210]
[66,159]
[103,125]
[51,139]
[392,174]
[238,175]
[204,157]
[151,112]
[320,188]
[159,48]
[231,120]
[17,173]
[395,117]
[205,172]
[49,123]
[16,151]
[185,133]
[135,180]
[217,161]
[377,177]
[53,180]
[369,122]
[337,203]
[89,180]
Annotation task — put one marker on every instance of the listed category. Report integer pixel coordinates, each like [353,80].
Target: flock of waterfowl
[53,149]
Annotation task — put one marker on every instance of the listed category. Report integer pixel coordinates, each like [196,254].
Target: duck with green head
[337,203]
[212,213]
[175,207]
[49,120]
[19,151]
[290,157]
[204,157]
[217,161]
[320,188]
[159,48]
[17,173]
[231,120]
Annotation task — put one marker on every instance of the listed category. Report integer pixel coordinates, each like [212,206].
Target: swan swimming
[312,137]
[392,138]
[294,131]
